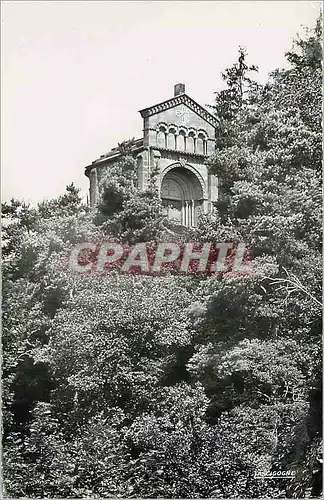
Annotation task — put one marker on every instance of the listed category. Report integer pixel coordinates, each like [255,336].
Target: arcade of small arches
[182,195]
[182,139]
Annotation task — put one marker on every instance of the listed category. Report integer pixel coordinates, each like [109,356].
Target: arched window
[201,144]
[171,139]
[191,143]
[181,141]
[161,138]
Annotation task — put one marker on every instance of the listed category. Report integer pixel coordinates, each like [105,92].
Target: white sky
[75,74]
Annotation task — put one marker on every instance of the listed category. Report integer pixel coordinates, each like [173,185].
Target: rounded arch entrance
[182,194]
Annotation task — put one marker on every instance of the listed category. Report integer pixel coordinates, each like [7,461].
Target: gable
[181,101]
[180,116]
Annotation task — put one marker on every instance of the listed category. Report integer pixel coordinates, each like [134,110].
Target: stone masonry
[178,137]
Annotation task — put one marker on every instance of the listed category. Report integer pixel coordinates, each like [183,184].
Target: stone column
[154,168]
[187,213]
[140,172]
[94,188]
[183,213]
[143,170]
[193,222]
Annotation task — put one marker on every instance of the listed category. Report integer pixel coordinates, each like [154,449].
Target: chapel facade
[178,136]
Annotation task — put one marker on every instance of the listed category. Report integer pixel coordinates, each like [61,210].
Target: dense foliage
[176,386]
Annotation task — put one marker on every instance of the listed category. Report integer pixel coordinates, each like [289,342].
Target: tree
[125,211]
[271,200]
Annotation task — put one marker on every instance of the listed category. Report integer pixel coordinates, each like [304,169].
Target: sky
[75,74]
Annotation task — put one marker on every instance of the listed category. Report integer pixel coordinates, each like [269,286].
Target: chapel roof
[114,153]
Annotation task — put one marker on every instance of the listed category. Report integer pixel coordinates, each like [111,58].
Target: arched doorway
[182,195]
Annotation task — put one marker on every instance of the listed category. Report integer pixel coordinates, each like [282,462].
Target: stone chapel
[178,136]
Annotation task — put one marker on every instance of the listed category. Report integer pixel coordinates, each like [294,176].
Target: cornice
[179,152]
